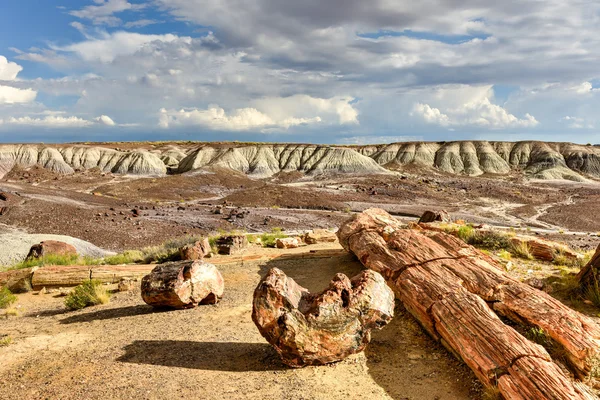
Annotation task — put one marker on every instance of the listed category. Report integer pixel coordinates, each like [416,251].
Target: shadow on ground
[111,313]
[315,270]
[408,364]
[216,356]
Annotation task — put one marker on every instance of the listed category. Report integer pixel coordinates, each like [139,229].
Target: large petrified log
[455,291]
[182,284]
[589,275]
[313,329]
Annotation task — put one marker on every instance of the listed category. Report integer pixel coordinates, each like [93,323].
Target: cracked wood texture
[315,329]
[182,284]
[589,276]
[456,292]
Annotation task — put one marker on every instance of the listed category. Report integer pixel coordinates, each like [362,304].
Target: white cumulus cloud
[56,119]
[216,118]
[9,94]
[469,106]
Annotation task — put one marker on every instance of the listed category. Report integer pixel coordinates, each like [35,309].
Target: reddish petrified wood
[195,251]
[48,247]
[313,329]
[182,284]
[453,290]
[589,276]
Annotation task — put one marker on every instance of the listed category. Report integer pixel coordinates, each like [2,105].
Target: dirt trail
[127,350]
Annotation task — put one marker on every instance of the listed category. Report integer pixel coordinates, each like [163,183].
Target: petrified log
[319,236]
[314,329]
[454,291]
[19,280]
[230,245]
[589,275]
[195,251]
[287,243]
[182,284]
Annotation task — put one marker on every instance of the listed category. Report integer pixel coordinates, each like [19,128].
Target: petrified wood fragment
[182,284]
[589,276]
[313,329]
[455,291]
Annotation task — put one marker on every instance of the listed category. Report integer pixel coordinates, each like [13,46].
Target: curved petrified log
[182,284]
[455,291]
[314,329]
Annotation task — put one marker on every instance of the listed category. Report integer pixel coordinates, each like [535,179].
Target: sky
[336,71]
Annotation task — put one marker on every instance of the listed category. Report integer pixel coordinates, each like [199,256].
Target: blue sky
[326,72]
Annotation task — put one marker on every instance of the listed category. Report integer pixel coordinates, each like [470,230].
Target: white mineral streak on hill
[537,160]
[64,160]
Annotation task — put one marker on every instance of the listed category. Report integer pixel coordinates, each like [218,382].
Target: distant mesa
[536,160]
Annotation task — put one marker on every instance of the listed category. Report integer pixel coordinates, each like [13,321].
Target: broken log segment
[589,276]
[182,284]
[447,285]
[315,329]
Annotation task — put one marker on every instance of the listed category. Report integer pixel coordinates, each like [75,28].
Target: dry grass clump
[491,393]
[6,298]
[5,341]
[521,250]
[89,293]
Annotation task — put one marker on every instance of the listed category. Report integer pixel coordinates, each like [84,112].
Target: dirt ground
[98,207]
[125,349]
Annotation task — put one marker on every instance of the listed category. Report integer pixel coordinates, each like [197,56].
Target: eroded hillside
[535,160]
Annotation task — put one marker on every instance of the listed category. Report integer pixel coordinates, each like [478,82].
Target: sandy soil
[125,349]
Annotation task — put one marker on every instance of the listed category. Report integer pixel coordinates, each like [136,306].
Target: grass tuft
[491,393]
[89,293]
[522,250]
[270,239]
[5,341]
[51,259]
[6,298]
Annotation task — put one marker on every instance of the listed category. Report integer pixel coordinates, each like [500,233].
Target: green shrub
[491,240]
[50,259]
[6,298]
[127,257]
[466,233]
[5,341]
[89,293]
[269,239]
[505,255]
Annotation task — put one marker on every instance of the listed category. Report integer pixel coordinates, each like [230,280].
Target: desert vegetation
[89,293]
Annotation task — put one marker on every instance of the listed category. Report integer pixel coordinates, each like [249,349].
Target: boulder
[315,329]
[431,216]
[319,236]
[182,284]
[287,243]
[195,251]
[230,245]
[48,247]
